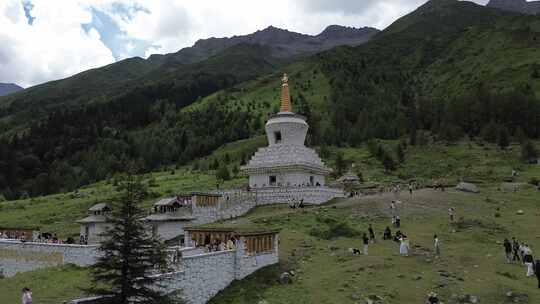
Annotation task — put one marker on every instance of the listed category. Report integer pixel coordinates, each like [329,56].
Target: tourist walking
[398,221]
[26,296]
[387,234]
[404,246]
[410,188]
[371,234]
[507,250]
[366,243]
[528,261]
[393,208]
[452,214]
[537,271]
[437,245]
[515,250]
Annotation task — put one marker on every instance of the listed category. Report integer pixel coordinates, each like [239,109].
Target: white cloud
[56,46]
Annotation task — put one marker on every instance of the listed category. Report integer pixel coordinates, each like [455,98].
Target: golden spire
[285,97]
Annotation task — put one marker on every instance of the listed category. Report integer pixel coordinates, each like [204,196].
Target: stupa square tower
[286,164]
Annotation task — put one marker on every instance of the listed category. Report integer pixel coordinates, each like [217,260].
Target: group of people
[521,252]
[13,236]
[45,238]
[399,237]
[83,239]
[217,245]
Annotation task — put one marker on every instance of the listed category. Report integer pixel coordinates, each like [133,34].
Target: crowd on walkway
[43,238]
[215,246]
[521,253]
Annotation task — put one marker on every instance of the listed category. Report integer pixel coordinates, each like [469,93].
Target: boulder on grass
[467,187]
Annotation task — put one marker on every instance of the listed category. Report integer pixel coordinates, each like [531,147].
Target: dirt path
[422,202]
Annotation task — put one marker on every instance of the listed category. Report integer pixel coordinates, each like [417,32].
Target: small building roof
[349,177]
[169,217]
[206,194]
[100,207]
[93,219]
[166,202]
[237,231]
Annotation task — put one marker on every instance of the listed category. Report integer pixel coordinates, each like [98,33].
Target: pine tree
[400,153]
[503,139]
[223,173]
[235,171]
[529,152]
[340,163]
[388,163]
[130,256]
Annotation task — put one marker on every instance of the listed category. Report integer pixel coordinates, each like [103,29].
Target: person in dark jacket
[507,250]
[515,247]
[387,234]
[537,271]
[371,234]
[365,240]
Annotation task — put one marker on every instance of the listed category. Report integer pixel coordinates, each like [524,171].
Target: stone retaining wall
[310,195]
[201,277]
[16,256]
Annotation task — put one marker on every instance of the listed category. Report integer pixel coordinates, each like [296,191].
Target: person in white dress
[26,296]
[528,260]
[404,246]
[437,245]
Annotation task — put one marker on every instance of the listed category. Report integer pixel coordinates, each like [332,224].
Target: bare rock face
[520,6]
[467,187]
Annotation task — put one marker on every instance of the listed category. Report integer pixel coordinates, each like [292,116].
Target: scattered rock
[417,278]
[374,299]
[468,299]
[355,296]
[520,212]
[516,297]
[262,302]
[285,278]
[467,187]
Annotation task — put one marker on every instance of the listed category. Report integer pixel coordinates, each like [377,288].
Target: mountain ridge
[450,69]
[520,6]
[285,43]
[9,88]
[96,85]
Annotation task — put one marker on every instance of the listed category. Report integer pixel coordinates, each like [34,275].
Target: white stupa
[286,162]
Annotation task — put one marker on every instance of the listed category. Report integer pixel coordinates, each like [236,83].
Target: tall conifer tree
[130,255]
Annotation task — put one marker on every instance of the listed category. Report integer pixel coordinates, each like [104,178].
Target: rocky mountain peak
[8,88]
[520,6]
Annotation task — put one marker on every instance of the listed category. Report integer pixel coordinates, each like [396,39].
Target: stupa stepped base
[283,195]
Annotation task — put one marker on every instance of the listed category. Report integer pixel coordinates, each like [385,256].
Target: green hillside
[471,261]
[452,69]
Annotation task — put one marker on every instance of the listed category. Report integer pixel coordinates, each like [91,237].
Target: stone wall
[16,256]
[311,195]
[202,276]
[247,264]
[233,204]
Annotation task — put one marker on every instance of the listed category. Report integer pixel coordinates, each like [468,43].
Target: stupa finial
[285,97]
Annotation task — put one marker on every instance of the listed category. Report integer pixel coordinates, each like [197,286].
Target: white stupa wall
[293,130]
[294,179]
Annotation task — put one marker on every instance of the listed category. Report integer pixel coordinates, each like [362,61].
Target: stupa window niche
[277,136]
[272,180]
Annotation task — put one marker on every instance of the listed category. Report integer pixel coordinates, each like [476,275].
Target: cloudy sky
[43,40]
